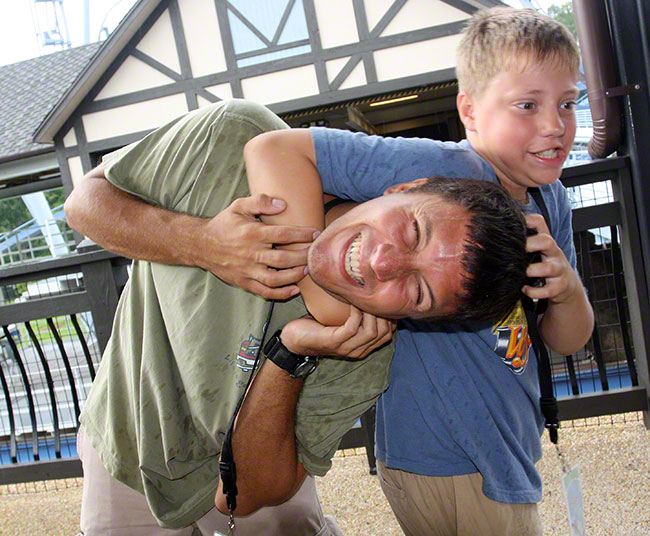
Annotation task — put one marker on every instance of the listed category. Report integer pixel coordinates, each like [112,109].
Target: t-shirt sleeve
[355,166]
[162,167]
[331,402]
[563,234]
[180,166]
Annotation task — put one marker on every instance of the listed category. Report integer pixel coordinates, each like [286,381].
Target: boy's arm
[283,164]
[125,224]
[568,321]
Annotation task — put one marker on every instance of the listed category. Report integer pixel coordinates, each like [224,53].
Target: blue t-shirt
[463,398]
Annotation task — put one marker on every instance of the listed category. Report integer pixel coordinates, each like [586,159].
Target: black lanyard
[532,309]
[227,468]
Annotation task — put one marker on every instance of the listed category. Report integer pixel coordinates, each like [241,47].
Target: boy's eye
[526,105]
[569,105]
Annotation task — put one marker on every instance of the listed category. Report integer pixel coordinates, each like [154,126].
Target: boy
[458,430]
[184,342]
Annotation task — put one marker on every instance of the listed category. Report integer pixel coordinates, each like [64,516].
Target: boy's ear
[465,107]
[402,187]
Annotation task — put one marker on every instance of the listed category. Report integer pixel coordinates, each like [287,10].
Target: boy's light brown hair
[500,38]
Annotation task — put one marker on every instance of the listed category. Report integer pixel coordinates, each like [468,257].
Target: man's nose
[388,263]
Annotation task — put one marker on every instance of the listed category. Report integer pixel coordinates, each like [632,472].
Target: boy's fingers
[537,222]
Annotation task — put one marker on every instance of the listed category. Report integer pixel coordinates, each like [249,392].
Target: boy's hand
[238,248]
[361,334]
[561,281]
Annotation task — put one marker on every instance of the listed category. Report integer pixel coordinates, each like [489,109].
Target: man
[184,340]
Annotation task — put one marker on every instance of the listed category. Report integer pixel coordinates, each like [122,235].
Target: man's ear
[403,186]
[465,107]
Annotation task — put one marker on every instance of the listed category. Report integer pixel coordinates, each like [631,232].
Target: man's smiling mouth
[352,263]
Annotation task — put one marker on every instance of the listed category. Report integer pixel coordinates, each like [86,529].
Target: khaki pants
[110,508]
[456,505]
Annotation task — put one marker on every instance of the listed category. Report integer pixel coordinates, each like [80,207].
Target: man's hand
[233,245]
[361,334]
[561,281]
[238,248]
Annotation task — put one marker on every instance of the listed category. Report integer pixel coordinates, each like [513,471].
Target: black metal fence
[56,318]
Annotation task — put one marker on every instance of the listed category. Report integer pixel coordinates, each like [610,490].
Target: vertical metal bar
[68,369]
[10,412]
[50,388]
[84,345]
[587,275]
[571,369]
[617,265]
[28,391]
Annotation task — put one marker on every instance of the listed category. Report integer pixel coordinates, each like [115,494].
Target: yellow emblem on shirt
[513,342]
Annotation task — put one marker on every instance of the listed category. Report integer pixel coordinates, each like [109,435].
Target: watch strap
[297,365]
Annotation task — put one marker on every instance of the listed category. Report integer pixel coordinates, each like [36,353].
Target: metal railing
[51,343]
[31,242]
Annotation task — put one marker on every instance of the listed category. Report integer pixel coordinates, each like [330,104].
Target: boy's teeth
[352,260]
[550,153]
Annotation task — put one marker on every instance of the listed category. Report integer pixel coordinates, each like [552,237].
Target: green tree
[564,13]
[13,211]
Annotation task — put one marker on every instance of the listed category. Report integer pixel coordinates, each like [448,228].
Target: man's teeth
[352,260]
[550,153]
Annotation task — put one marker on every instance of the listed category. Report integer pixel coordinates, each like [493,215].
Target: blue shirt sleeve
[360,167]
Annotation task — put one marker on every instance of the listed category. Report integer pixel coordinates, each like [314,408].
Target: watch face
[305,368]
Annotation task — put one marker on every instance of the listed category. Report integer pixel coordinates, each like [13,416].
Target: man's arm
[264,442]
[568,321]
[125,224]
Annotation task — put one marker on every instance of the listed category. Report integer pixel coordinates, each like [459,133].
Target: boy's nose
[552,124]
[387,263]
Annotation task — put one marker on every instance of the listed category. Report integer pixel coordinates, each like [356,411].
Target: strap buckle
[228,473]
[549,410]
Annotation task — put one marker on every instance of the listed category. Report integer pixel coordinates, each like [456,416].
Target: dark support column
[629,23]
[103,294]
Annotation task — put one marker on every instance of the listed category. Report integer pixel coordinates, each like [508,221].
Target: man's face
[524,123]
[395,256]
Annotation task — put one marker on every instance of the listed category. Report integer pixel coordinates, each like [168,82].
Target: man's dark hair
[494,257]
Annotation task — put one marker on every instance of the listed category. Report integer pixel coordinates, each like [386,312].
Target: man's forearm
[124,224]
[264,443]
[234,245]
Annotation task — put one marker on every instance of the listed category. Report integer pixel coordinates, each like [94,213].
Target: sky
[20,21]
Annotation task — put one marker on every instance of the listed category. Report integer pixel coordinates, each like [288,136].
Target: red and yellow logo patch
[513,342]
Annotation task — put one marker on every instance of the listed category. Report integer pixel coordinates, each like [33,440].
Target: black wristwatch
[298,366]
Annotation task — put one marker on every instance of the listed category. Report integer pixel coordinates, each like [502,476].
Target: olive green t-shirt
[183,341]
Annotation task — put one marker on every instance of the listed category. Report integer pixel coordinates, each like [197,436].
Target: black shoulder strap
[333,202]
[532,309]
[227,468]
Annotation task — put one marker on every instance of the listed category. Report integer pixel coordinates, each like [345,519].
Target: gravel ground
[613,453]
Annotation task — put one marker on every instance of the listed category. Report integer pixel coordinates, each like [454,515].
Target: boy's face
[395,256]
[523,123]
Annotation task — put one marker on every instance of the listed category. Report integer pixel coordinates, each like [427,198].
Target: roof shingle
[28,91]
